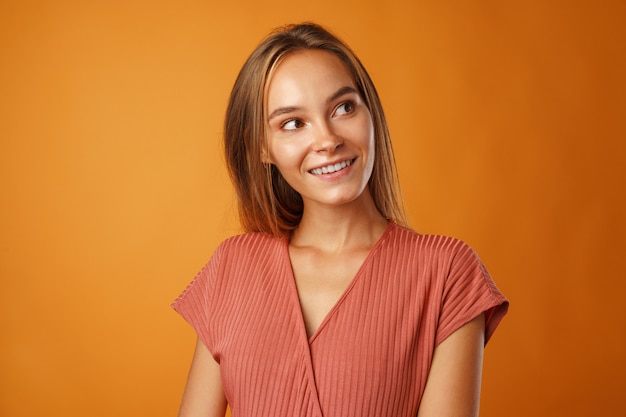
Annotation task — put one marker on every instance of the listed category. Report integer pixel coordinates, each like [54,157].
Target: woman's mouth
[329,169]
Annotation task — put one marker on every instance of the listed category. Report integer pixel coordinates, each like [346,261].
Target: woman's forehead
[307,74]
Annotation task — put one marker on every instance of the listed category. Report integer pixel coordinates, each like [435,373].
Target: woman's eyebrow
[289,109]
[342,92]
[282,110]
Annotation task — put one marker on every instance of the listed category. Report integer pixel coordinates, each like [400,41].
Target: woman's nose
[326,139]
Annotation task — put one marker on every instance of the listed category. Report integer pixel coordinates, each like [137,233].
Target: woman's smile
[331,168]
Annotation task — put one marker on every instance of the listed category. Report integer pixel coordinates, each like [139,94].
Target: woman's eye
[292,124]
[345,108]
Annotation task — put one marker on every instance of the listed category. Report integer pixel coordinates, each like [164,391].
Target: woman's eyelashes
[292,124]
[345,108]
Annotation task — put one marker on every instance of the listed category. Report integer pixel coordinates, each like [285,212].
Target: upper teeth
[331,168]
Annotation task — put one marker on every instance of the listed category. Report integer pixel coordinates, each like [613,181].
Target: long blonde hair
[267,204]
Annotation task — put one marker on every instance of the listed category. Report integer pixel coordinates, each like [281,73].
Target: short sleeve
[196,304]
[469,291]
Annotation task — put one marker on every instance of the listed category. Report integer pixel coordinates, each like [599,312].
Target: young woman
[329,305]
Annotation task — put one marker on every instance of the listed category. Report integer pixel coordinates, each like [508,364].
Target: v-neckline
[295,296]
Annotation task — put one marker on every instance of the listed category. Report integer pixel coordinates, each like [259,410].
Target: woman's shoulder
[437,252]
[404,236]
[249,243]
[405,241]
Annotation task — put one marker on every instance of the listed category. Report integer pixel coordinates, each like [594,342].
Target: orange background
[508,123]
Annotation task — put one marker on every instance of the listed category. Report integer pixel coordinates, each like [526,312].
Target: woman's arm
[453,385]
[204,396]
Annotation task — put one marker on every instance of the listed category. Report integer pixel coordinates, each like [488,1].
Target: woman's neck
[333,229]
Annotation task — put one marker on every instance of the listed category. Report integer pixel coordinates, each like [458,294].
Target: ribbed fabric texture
[371,355]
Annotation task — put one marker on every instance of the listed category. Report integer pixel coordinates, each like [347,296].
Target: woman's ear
[265,157]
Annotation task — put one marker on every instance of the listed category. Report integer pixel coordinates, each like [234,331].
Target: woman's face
[319,131]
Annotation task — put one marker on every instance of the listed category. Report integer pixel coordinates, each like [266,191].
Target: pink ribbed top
[371,355]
